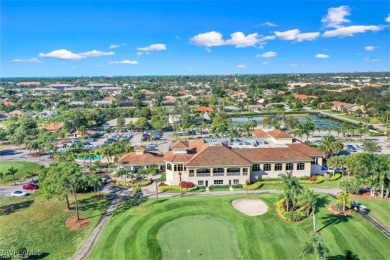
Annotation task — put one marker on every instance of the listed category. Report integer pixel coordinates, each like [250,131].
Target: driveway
[5,191]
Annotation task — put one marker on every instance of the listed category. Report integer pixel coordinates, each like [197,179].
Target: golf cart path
[117,195]
[378,225]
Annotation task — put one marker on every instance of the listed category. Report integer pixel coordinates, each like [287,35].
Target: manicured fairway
[137,234]
[191,236]
[379,209]
[22,167]
[38,225]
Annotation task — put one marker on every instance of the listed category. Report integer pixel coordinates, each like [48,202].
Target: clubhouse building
[208,162]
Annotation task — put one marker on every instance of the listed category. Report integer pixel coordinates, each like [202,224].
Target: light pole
[181,194]
[156,181]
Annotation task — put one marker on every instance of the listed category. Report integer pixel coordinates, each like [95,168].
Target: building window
[245,171]
[278,167]
[191,174]
[178,167]
[300,166]
[200,183]
[191,171]
[314,161]
[169,166]
[218,182]
[236,181]
[202,172]
[256,167]
[218,170]
[289,166]
[267,167]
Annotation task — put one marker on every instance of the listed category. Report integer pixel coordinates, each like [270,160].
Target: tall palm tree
[311,199]
[12,171]
[31,174]
[2,176]
[82,130]
[344,199]
[315,246]
[291,189]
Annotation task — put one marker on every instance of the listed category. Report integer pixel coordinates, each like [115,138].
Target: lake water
[322,123]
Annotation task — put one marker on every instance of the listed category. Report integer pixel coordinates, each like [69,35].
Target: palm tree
[344,199]
[12,171]
[381,172]
[83,130]
[311,200]
[330,145]
[121,172]
[314,246]
[31,174]
[291,189]
[2,176]
[95,181]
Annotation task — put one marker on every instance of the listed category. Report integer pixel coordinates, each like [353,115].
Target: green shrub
[219,187]
[130,184]
[253,186]
[237,186]
[335,177]
[176,188]
[163,176]
[294,215]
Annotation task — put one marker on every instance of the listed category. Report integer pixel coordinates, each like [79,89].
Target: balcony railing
[233,173]
[218,174]
[202,174]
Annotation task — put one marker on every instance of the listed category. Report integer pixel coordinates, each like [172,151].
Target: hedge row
[176,188]
[253,186]
[130,184]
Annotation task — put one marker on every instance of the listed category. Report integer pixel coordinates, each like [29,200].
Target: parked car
[30,186]
[18,193]
[351,148]
[145,137]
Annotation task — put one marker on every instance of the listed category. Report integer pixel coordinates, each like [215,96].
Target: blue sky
[113,38]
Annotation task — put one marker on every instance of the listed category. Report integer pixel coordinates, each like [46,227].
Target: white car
[18,193]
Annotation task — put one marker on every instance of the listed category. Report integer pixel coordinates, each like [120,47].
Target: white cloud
[267,38]
[322,56]
[387,19]
[26,60]
[265,62]
[307,36]
[209,39]
[114,46]
[133,62]
[150,48]
[336,17]
[95,53]
[351,30]
[269,24]
[154,47]
[296,35]
[372,60]
[288,35]
[269,54]
[239,40]
[139,53]
[213,39]
[241,66]
[62,54]
[370,48]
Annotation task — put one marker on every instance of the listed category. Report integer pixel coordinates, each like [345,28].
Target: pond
[322,123]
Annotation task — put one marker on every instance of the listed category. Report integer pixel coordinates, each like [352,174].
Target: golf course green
[168,228]
[177,238]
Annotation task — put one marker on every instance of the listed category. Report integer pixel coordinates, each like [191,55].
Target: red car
[29,186]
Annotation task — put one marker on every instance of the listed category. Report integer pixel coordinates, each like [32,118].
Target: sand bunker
[250,207]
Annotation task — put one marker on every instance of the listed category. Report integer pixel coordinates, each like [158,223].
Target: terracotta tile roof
[256,155]
[177,157]
[279,134]
[196,144]
[140,159]
[54,126]
[260,134]
[180,145]
[204,109]
[218,155]
[305,149]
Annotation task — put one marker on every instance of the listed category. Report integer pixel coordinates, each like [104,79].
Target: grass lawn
[37,224]
[22,167]
[379,209]
[142,233]
[323,185]
[194,233]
